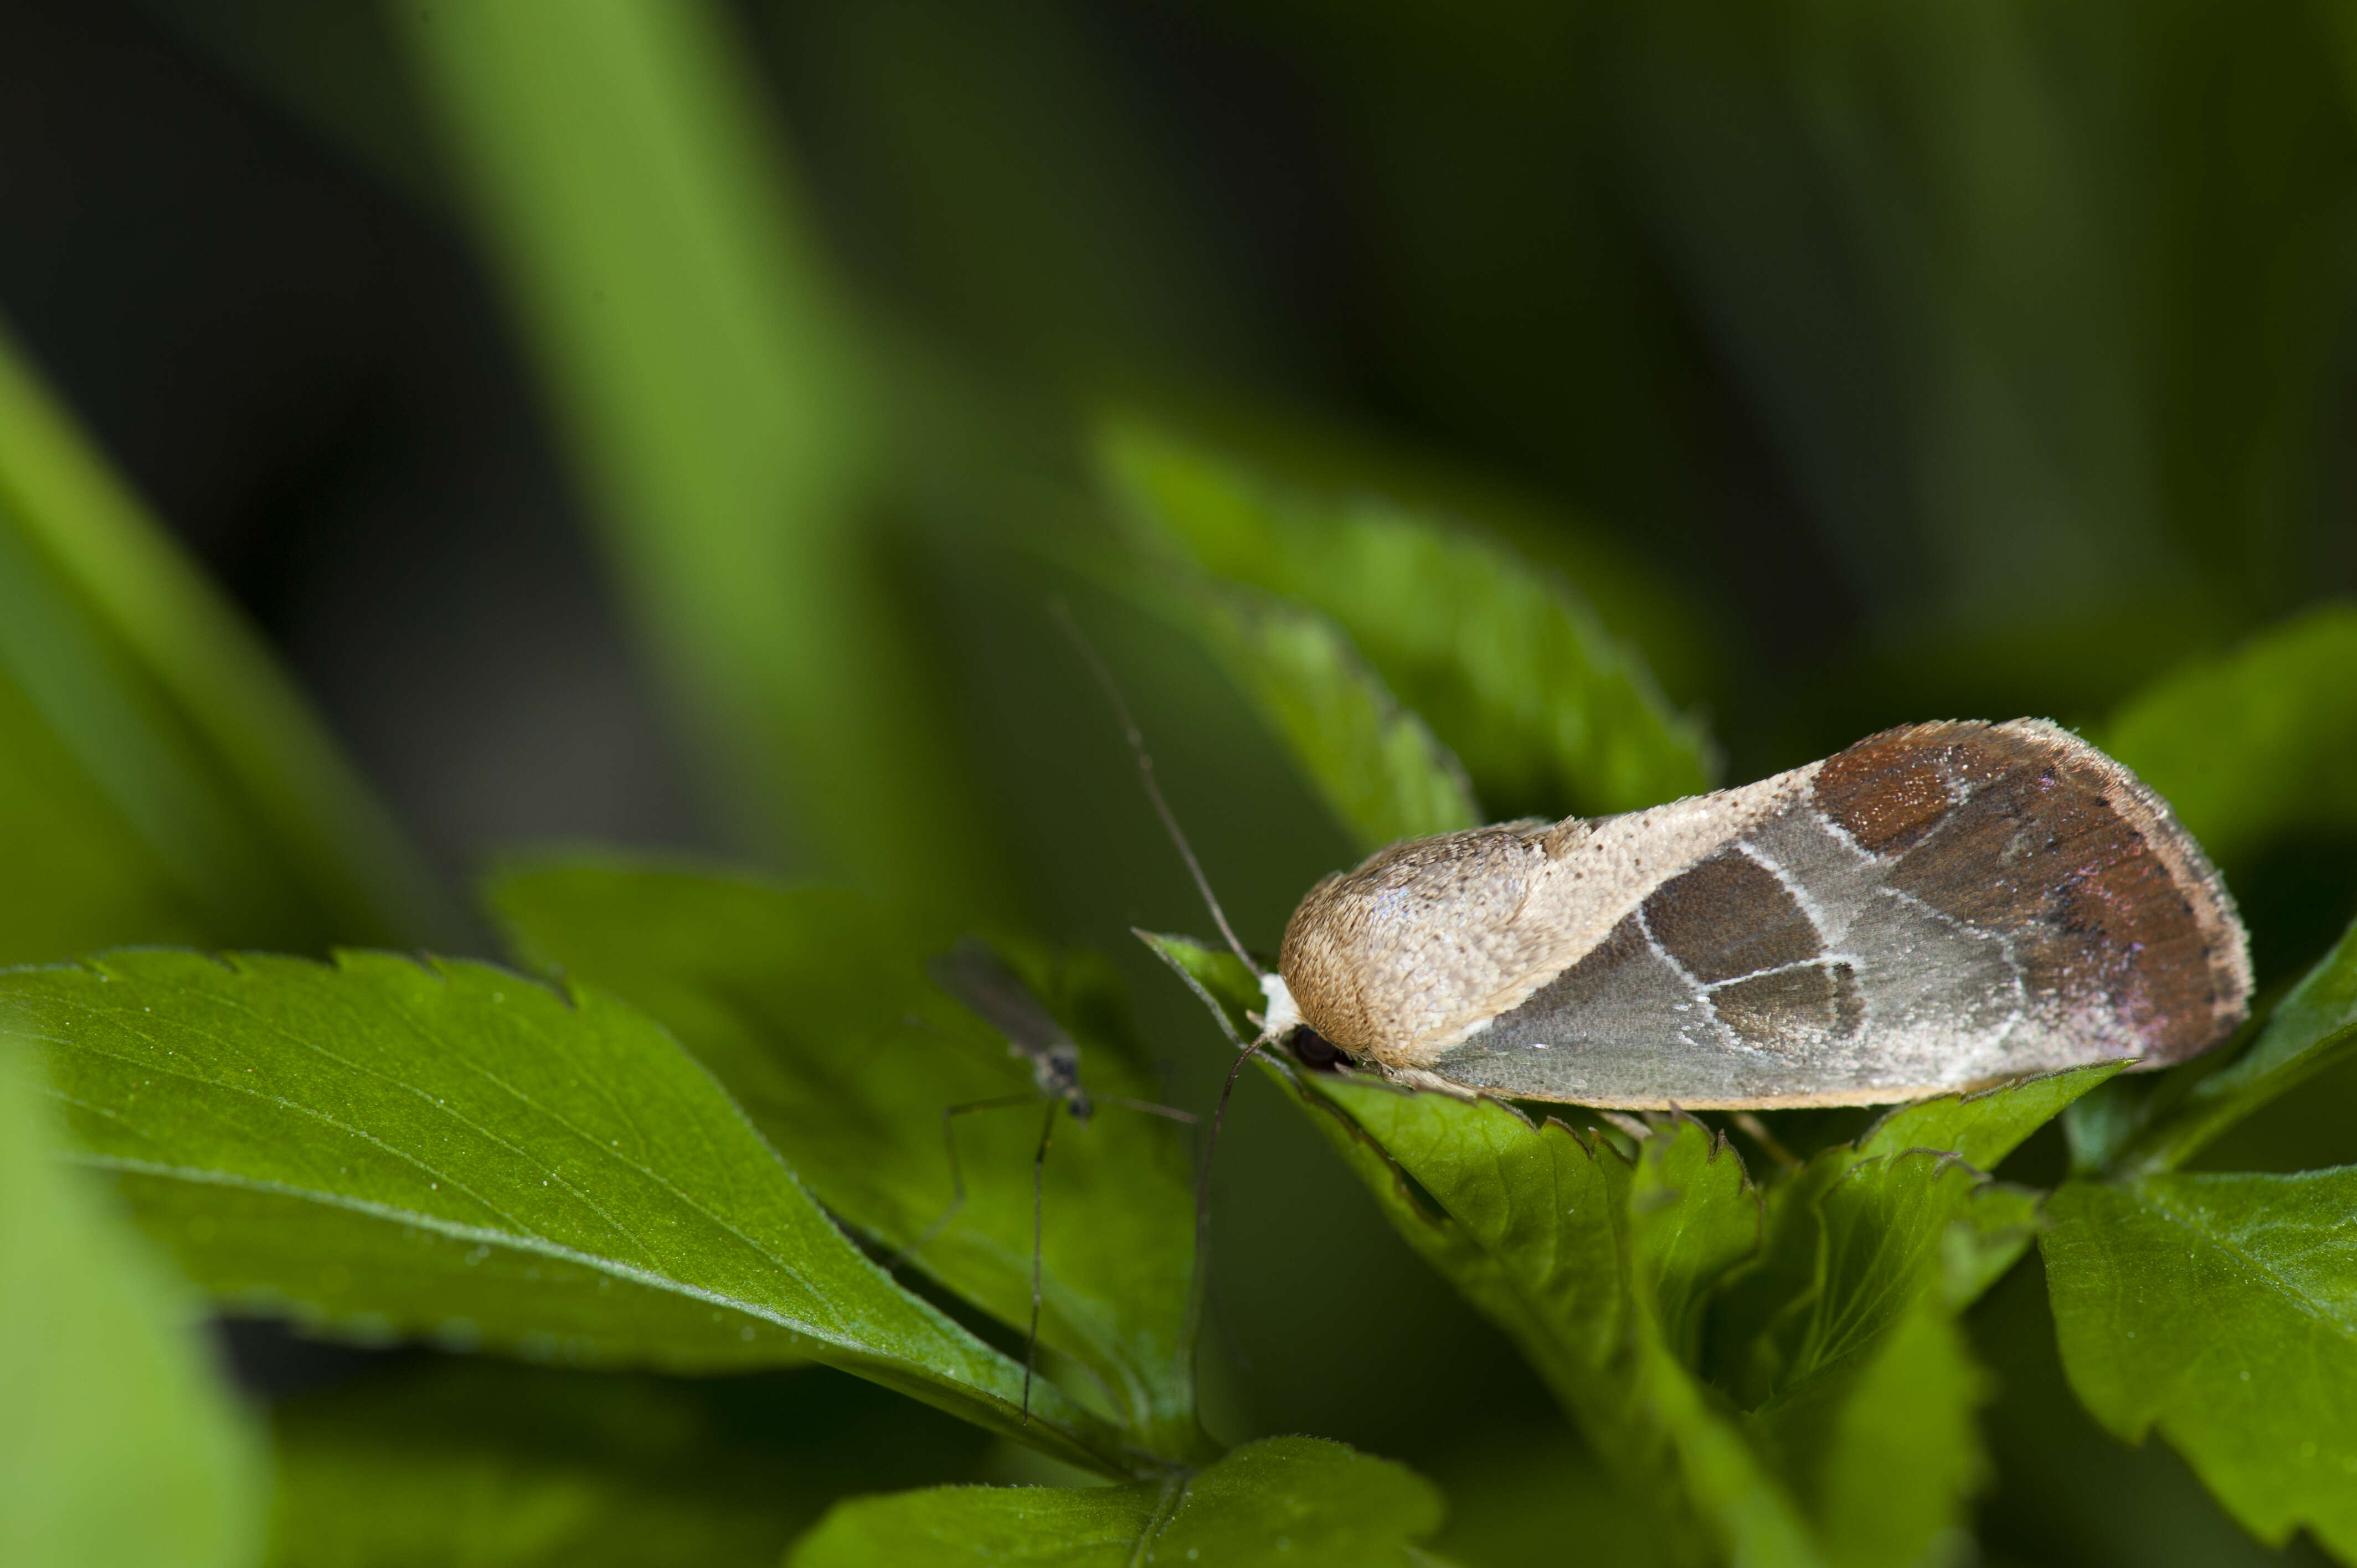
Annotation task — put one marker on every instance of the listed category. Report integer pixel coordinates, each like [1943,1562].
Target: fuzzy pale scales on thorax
[1428,940]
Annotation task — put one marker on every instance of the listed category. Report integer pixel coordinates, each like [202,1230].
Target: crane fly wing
[978,977]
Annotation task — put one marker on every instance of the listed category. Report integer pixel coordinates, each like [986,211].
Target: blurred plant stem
[723,413]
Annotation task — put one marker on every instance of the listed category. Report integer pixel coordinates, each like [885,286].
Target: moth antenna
[1136,738]
[1199,1287]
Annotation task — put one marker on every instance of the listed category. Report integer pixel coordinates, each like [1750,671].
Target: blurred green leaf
[814,1009]
[2158,1123]
[386,1147]
[1282,1502]
[497,1464]
[1884,1451]
[1376,766]
[723,411]
[2223,1310]
[1634,601]
[120,1444]
[160,781]
[1518,1495]
[2257,745]
[1547,713]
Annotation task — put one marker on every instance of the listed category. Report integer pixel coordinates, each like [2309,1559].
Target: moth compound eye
[1316,1050]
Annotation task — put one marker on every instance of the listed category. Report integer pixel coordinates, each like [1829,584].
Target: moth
[1938,908]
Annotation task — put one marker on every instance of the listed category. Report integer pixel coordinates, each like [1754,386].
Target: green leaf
[2167,1120]
[497,1464]
[1841,1338]
[2223,1310]
[1217,977]
[815,1010]
[1547,711]
[1375,765]
[2256,746]
[389,1147]
[160,779]
[1286,1502]
[1884,1453]
[1982,1127]
[120,1444]
[725,413]
[1594,1265]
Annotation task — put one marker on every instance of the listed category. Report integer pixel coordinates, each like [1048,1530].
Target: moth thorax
[1398,958]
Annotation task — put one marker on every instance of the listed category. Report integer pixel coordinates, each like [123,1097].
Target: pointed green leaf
[1217,977]
[1547,712]
[2255,744]
[815,1010]
[1282,1502]
[2223,1310]
[1375,765]
[1982,1127]
[160,779]
[390,1147]
[119,1443]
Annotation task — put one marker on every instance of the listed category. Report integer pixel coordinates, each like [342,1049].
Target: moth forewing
[1937,908]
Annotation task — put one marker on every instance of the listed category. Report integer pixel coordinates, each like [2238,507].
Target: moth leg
[1038,1195]
[957,1172]
[1417,1078]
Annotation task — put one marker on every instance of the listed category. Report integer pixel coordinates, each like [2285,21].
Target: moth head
[1283,1024]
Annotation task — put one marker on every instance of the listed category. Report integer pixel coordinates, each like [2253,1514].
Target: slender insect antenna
[1136,738]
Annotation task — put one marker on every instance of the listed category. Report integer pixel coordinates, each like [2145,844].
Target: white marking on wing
[1811,911]
[1850,959]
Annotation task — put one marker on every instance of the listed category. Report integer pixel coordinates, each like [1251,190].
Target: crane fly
[973,972]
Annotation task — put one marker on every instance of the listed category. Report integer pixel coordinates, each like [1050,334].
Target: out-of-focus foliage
[120,1444]
[159,778]
[1572,398]
[694,336]
[1271,1504]
[2258,747]
[1547,711]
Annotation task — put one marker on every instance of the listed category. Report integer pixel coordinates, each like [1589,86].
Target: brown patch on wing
[2108,903]
[1792,1008]
[1888,791]
[1729,915]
